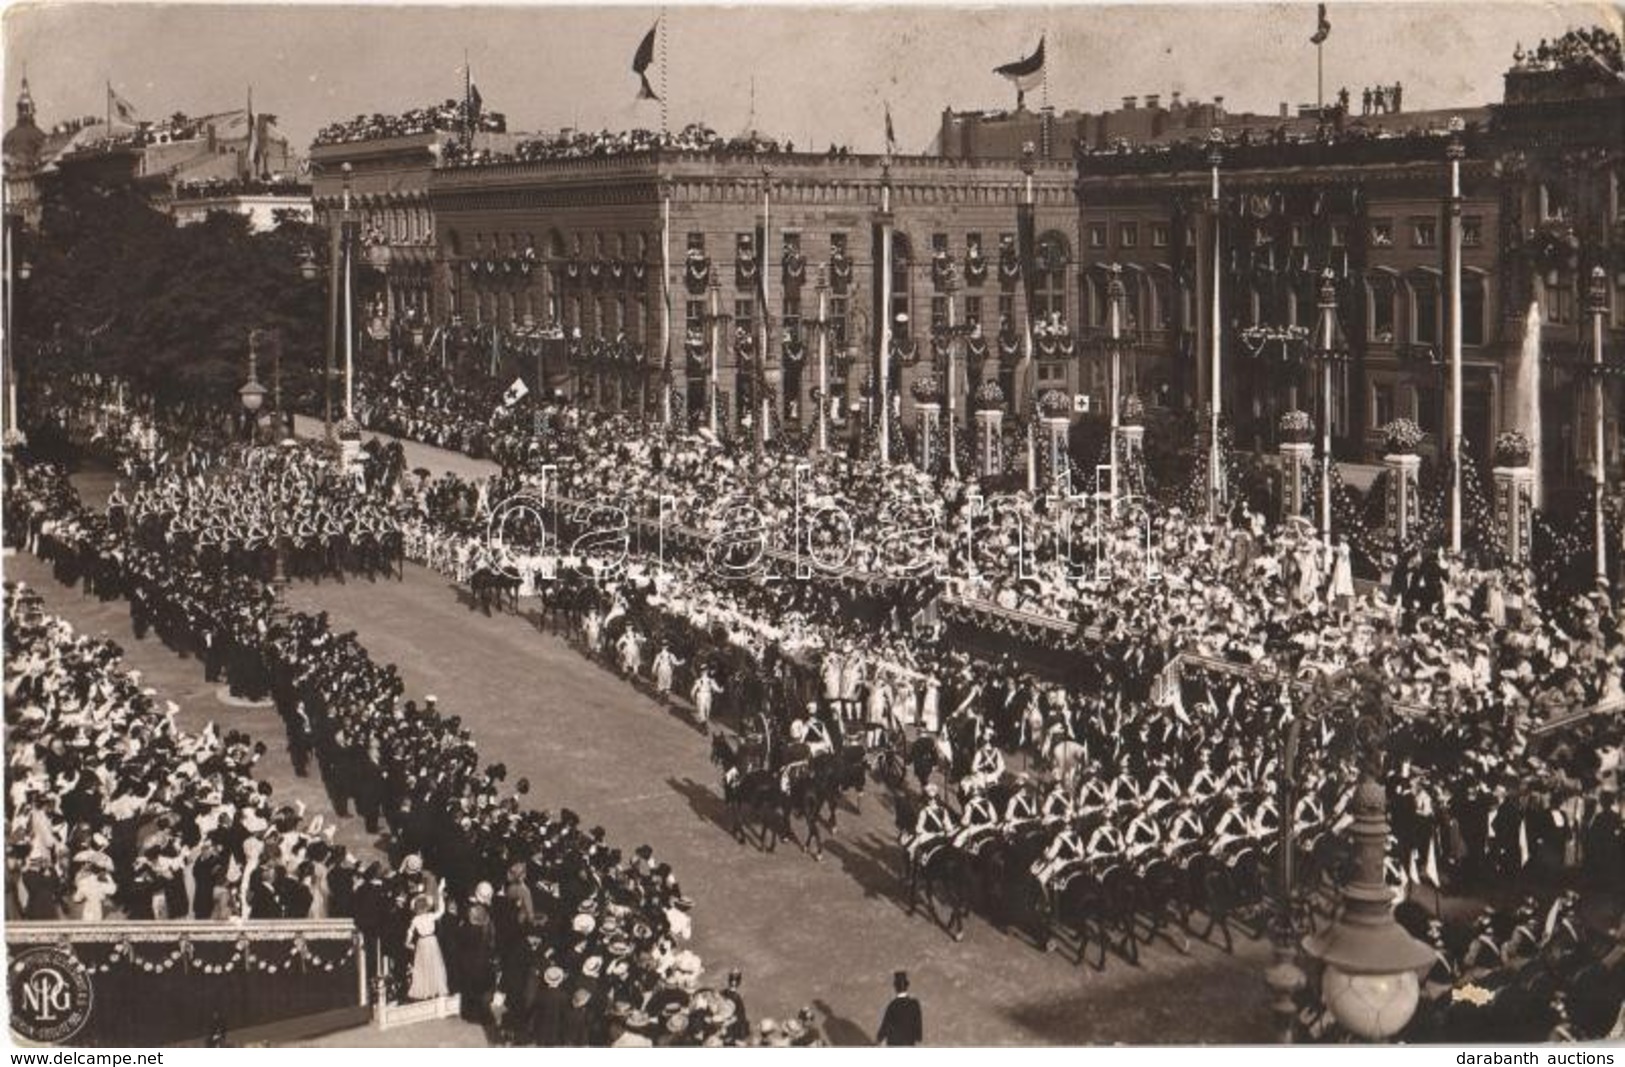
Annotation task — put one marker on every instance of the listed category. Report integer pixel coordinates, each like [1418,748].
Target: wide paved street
[827,934]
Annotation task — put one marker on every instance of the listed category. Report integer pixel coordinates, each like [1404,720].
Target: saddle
[928,853]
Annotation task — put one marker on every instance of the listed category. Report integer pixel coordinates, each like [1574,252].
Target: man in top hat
[739,1027]
[902,1025]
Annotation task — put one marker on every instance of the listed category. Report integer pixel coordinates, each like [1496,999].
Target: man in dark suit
[902,1024]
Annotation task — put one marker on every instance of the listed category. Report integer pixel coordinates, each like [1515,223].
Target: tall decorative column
[927,418]
[1514,494]
[1297,454]
[1401,438]
[989,401]
[1055,407]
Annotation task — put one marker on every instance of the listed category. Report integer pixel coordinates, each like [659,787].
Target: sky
[821,74]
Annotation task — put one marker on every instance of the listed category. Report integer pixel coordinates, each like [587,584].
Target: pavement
[826,934]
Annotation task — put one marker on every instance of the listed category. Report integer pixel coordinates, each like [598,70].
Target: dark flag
[476,103]
[1027,250]
[640,63]
[1324,29]
[1026,73]
[891,134]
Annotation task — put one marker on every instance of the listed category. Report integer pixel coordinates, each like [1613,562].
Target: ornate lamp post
[18,272]
[953,333]
[252,394]
[822,288]
[1115,297]
[1597,305]
[1216,486]
[716,320]
[1455,152]
[1370,964]
[1327,351]
[1285,977]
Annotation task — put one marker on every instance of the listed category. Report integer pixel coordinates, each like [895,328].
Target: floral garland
[697,267]
[840,270]
[572,269]
[976,348]
[1009,345]
[795,350]
[905,349]
[795,265]
[927,389]
[745,267]
[1009,264]
[1402,437]
[1512,449]
[989,396]
[1055,403]
[243,957]
[975,267]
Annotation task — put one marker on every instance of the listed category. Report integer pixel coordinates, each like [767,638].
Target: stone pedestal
[1515,510]
[1056,431]
[1403,504]
[1130,441]
[1297,460]
[927,417]
[989,443]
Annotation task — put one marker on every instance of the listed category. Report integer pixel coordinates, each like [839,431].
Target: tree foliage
[118,288]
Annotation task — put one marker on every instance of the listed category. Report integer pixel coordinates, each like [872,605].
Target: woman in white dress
[90,891]
[428,964]
[930,703]
[1340,594]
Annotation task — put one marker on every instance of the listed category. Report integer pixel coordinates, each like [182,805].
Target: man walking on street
[902,1024]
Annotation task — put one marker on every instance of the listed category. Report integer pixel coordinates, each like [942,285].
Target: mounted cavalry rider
[1105,843]
[796,755]
[1231,826]
[1066,850]
[934,824]
[1186,830]
[1163,790]
[1021,811]
[1058,809]
[1142,835]
[979,819]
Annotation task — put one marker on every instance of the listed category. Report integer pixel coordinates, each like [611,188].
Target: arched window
[1380,304]
[1424,294]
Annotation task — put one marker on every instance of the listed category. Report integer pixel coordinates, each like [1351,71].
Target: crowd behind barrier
[1549,807]
[582,941]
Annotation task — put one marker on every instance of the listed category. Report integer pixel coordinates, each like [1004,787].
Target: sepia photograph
[538,525]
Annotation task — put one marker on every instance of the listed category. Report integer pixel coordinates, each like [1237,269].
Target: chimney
[1285,112]
[1174,104]
[1129,102]
[1153,101]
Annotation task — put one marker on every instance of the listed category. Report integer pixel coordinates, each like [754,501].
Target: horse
[749,786]
[487,585]
[1010,895]
[944,874]
[806,794]
[840,772]
[1101,902]
[929,753]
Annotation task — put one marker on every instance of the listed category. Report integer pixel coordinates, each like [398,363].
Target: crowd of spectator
[448,116]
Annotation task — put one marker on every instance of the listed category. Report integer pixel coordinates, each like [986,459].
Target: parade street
[827,934]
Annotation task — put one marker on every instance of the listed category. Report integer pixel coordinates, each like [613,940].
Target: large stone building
[1368,197]
[524,248]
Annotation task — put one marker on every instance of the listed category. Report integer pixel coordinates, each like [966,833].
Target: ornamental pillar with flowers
[1514,494]
[1297,453]
[989,399]
[927,391]
[1402,508]
[1055,408]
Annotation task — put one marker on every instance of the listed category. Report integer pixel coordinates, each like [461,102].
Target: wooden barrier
[149,984]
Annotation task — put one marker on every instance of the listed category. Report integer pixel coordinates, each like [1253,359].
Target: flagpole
[882,386]
[1215,452]
[349,312]
[664,93]
[761,355]
[665,295]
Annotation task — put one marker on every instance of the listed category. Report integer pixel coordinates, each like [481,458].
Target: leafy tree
[119,289]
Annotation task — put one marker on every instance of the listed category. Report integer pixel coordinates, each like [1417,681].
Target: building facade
[1370,199]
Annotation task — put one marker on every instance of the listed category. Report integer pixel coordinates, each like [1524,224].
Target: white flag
[516,392]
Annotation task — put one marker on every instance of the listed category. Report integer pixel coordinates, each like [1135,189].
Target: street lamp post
[349,306]
[1215,453]
[16,272]
[1597,301]
[718,323]
[1327,352]
[1284,977]
[950,380]
[822,288]
[1455,152]
[1115,295]
[1370,965]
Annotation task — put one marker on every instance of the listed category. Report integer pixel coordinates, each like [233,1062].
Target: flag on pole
[476,102]
[1323,29]
[515,393]
[640,63]
[253,138]
[118,106]
[891,133]
[1025,73]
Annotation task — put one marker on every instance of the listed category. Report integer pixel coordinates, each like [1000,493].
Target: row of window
[1424,233]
